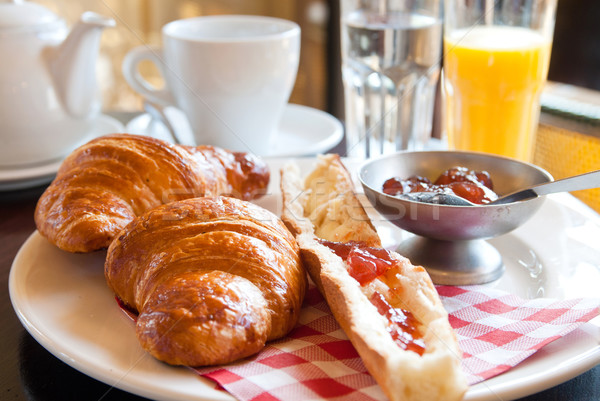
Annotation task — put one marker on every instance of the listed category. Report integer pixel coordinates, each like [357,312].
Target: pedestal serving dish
[450,240]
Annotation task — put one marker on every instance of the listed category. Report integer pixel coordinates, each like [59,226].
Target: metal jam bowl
[450,240]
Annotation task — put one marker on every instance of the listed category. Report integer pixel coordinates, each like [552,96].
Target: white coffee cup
[231,75]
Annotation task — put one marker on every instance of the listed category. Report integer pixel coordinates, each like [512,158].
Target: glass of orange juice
[496,57]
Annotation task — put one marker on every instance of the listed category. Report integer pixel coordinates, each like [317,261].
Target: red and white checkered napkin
[495,330]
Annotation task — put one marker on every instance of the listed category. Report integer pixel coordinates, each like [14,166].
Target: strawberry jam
[403,325]
[365,264]
[474,186]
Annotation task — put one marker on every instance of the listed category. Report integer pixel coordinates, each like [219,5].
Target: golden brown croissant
[213,279]
[104,184]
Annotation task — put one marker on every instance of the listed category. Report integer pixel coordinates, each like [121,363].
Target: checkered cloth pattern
[495,330]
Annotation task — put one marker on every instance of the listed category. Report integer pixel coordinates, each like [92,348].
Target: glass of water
[391,51]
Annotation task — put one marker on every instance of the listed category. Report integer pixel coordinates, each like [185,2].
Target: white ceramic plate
[303,131]
[64,302]
[41,173]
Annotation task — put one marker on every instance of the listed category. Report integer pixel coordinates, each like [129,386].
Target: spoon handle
[575,183]
[157,112]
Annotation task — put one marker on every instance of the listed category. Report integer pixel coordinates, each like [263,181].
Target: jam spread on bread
[366,264]
[403,327]
[474,186]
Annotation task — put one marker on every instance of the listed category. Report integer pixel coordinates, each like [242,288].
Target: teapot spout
[73,64]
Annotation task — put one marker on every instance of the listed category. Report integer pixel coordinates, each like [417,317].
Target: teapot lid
[24,14]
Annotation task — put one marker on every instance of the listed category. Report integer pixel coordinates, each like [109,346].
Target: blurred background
[575,54]
[139,22]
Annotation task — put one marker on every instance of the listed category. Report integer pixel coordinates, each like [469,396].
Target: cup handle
[138,83]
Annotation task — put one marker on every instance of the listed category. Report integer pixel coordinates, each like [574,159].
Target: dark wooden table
[29,372]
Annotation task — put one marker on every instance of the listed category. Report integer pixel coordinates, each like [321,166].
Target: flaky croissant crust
[104,184]
[213,279]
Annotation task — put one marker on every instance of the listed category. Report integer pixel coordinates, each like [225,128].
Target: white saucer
[29,176]
[303,131]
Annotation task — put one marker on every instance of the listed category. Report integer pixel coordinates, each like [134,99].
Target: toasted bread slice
[324,214]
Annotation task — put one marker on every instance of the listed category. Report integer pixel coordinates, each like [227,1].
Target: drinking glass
[496,57]
[390,68]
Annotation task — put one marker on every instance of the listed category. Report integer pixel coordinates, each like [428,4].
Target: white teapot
[48,95]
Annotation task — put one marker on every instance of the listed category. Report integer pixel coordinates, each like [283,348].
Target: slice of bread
[323,206]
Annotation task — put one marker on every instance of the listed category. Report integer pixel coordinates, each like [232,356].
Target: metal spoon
[575,183]
[438,198]
[157,112]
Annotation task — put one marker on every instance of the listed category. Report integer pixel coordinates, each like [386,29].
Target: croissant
[104,184]
[212,279]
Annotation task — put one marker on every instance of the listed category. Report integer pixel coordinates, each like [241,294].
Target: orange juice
[493,78]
